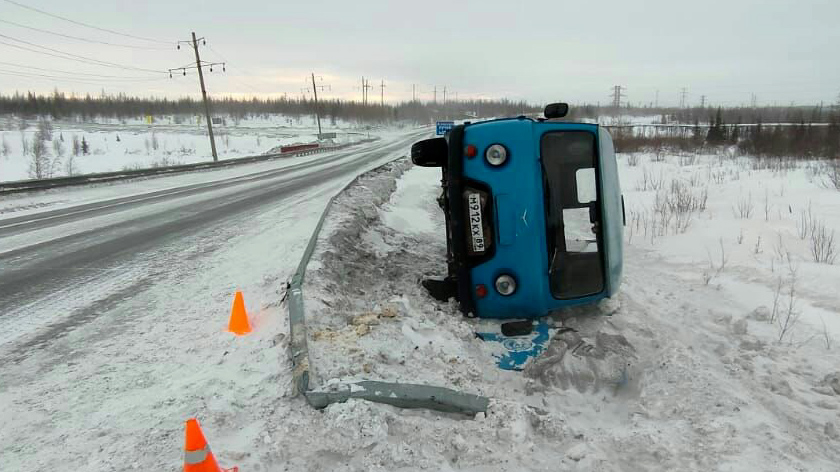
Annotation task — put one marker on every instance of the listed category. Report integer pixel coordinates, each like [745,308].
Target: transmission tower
[617,95]
[683,94]
[382,93]
[199,66]
[367,87]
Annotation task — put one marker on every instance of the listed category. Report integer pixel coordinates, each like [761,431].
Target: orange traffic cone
[238,318]
[197,454]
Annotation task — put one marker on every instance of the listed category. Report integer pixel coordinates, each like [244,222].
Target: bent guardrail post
[402,396]
[396,394]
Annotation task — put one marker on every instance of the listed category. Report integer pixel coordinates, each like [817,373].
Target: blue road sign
[441,127]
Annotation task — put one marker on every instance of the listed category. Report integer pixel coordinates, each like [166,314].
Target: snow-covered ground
[115,145]
[709,385]
[111,391]
[714,379]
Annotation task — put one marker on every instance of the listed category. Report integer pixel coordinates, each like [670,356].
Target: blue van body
[550,217]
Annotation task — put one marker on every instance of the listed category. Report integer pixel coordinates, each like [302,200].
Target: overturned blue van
[534,215]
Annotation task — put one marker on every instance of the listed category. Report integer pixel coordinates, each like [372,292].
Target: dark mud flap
[515,351]
[441,289]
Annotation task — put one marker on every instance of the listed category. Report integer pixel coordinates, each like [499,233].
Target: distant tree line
[802,139]
[706,115]
[60,106]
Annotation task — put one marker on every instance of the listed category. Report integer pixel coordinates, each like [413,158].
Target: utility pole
[413,92]
[317,110]
[435,95]
[199,65]
[382,93]
[683,93]
[657,99]
[363,90]
[444,94]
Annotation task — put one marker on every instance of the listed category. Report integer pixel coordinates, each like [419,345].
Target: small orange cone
[238,318]
[197,454]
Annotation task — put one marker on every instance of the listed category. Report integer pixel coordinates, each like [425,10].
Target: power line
[85,24]
[80,73]
[120,79]
[53,79]
[223,58]
[147,48]
[73,57]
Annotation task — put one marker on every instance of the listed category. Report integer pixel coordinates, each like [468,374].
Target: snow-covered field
[717,378]
[115,145]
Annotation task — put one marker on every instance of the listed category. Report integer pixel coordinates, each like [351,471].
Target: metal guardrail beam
[43,184]
[396,394]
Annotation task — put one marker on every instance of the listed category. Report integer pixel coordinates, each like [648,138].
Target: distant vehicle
[534,214]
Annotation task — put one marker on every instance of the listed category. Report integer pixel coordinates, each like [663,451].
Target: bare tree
[58,148]
[39,166]
[70,166]
[832,174]
[5,149]
[822,244]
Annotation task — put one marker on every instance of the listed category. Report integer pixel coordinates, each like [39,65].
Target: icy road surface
[114,300]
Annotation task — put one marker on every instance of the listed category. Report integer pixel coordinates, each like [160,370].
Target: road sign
[441,127]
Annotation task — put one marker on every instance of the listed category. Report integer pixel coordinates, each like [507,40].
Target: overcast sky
[782,51]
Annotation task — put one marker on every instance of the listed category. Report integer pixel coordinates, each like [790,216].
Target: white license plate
[476,224]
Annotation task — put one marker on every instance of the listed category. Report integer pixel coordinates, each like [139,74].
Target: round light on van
[496,155]
[505,285]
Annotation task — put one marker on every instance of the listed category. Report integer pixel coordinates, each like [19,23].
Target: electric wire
[70,80]
[93,41]
[232,77]
[84,24]
[74,57]
[113,79]
[77,73]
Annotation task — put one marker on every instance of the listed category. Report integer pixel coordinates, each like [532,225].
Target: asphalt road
[40,256]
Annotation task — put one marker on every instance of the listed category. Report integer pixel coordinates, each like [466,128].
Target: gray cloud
[780,50]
